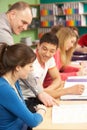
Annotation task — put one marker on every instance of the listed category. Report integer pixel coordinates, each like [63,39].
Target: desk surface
[48,125]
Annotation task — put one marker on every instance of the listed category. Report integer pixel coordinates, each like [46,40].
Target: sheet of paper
[73,81]
[69,113]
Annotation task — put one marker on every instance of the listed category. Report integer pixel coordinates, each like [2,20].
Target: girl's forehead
[71,37]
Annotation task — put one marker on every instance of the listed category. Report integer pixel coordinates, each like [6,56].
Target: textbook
[74,80]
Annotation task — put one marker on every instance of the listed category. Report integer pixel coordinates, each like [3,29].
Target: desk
[47,123]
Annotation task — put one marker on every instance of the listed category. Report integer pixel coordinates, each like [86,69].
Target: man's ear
[13,14]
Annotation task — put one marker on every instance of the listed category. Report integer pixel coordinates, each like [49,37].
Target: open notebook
[73,80]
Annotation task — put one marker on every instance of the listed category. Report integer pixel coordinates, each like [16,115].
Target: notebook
[73,80]
[73,113]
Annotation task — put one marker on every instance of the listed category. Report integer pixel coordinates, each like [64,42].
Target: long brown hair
[11,56]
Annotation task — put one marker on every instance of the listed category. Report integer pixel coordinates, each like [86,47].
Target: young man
[14,21]
[46,63]
[43,64]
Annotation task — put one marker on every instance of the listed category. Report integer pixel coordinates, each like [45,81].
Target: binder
[74,80]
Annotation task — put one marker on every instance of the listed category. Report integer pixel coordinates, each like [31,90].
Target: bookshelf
[27,36]
[36,16]
[63,13]
[54,1]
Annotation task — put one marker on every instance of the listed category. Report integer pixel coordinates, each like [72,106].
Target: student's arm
[81,49]
[74,90]
[17,107]
[58,91]
[55,77]
[47,98]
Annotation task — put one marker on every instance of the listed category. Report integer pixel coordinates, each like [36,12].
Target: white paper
[69,113]
[69,84]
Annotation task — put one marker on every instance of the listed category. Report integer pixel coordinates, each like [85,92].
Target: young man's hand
[47,100]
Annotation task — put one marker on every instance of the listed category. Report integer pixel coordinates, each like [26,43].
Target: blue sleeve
[14,104]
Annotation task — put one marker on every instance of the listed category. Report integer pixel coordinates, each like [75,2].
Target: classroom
[43,65]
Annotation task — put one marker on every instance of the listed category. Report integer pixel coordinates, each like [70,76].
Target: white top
[36,78]
[40,72]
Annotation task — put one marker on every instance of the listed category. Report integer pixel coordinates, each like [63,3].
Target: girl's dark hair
[17,54]
[49,38]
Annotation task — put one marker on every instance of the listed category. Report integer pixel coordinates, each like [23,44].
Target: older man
[14,21]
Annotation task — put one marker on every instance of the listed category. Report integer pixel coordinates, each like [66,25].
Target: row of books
[48,21]
[71,20]
[73,8]
[48,9]
[75,20]
[64,9]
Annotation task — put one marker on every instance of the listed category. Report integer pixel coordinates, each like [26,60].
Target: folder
[74,80]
